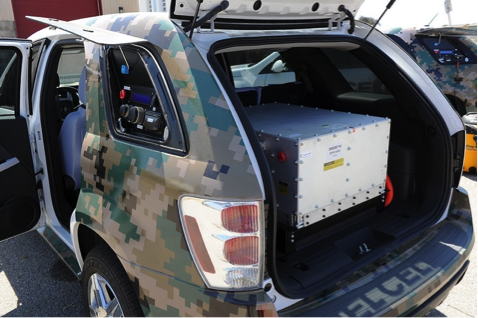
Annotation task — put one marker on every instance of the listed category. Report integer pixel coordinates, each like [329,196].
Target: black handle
[350,16]
[221,7]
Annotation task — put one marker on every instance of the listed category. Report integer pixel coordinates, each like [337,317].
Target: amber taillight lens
[198,245]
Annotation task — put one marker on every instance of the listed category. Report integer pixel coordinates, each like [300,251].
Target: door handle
[8,164]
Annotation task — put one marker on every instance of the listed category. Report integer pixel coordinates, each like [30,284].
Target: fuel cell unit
[322,161]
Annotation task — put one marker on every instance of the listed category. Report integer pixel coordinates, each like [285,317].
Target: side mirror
[278,66]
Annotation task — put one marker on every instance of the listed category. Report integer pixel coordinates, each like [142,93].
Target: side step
[65,253]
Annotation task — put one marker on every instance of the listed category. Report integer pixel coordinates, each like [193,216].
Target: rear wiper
[197,23]
[389,5]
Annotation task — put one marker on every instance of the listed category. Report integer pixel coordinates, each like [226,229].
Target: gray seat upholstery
[71,138]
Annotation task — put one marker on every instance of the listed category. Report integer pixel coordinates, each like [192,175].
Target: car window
[141,107]
[71,63]
[357,74]
[10,72]
[259,68]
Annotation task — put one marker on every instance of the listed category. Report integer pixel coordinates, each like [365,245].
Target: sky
[417,13]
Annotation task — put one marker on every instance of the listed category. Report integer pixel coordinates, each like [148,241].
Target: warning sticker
[333,164]
[334,152]
[470,147]
[283,188]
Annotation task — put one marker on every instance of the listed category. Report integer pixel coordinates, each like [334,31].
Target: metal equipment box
[322,161]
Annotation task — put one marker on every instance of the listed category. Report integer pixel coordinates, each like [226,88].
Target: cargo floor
[328,258]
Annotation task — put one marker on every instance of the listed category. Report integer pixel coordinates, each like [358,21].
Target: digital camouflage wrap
[59,246]
[129,193]
[445,76]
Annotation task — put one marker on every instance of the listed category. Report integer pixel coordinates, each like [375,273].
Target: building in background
[14,24]
[154,5]
[7,21]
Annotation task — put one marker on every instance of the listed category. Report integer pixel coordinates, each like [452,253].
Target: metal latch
[363,249]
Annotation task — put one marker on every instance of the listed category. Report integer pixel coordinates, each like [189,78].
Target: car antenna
[197,23]
[198,6]
[389,5]
[431,20]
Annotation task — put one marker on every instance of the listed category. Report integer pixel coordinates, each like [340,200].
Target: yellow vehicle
[469,164]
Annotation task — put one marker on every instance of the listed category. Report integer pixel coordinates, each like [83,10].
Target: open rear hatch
[336,135]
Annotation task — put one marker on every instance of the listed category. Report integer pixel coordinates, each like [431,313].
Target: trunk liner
[313,265]
[388,287]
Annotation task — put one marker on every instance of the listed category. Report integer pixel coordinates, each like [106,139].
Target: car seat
[70,140]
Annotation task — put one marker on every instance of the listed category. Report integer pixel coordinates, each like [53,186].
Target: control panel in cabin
[137,107]
[140,112]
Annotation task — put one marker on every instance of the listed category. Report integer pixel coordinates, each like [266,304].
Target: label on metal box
[333,164]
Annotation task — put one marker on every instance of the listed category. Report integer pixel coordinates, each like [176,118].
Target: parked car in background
[132,145]
[448,55]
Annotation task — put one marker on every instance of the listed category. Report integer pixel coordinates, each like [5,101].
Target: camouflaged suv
[170,192]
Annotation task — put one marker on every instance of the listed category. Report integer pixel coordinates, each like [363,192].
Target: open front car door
[19,203]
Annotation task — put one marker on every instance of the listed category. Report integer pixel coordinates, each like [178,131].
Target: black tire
[103,267]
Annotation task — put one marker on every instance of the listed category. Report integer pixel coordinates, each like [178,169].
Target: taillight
[242,250]
[226,240]
[459,144]
[240,218]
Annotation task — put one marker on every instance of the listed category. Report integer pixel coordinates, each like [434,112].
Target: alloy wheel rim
[102,300]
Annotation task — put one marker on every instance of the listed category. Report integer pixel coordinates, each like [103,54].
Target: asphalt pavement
[35,282]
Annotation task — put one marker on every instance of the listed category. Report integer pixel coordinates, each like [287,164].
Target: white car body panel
[276,9]
[89,33]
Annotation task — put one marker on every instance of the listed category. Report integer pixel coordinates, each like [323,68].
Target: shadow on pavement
[35,280]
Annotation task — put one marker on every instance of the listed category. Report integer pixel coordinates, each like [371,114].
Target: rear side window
[10,73]
[357,74]
[259,68]
[141,108]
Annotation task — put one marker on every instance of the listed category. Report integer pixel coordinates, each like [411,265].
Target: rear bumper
[440,296]
[409,280]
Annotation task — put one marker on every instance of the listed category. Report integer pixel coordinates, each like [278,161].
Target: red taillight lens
[198,244]
[240,218]
[242,250]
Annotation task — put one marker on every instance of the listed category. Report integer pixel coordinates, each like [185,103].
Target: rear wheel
[107,290]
